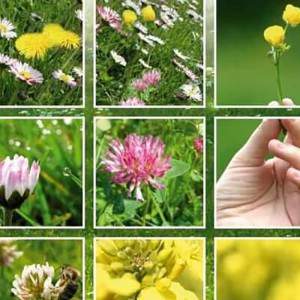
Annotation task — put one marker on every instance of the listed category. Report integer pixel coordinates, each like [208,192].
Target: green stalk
[8,216]
[278,80]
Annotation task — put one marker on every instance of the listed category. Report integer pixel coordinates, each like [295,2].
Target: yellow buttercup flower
[149,269]
[59,37]
[129,17]
[291,15]
[275,35]
[148,14]
[33,45]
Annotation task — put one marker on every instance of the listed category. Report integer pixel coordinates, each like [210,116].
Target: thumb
[256,149]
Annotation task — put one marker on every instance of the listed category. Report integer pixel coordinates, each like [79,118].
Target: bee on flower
[7,29]
[140,160]
[67,79]
[26,73]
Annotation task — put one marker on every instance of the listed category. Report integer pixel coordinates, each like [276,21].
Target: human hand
[255,192]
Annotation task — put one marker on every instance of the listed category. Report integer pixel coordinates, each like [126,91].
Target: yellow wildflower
[149,269]
[148,14]
[291,15]
[129,17]
[59,37]
[33,45]
[275,35]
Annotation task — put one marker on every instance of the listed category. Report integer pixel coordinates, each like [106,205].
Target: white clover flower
[17,181]
[67,79]
[118,58]
[35,282]
[192,91]
[8,253]
[26,73]
[7,29]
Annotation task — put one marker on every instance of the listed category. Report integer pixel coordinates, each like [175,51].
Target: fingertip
[288,102]
[293,175]
[274,104]
[275,145]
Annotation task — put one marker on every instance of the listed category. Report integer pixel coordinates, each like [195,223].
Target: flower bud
[275,35]
[129,17]
[148,14]
[291,15]
[17,181]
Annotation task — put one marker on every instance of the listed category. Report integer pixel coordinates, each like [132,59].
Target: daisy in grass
[67,79]
[33,45]
[26,73]
[140,160]
[132,102]
[192,91]
[6,60]
[110,16]
[7,29]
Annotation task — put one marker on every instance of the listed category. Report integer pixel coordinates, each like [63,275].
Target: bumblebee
[68,283]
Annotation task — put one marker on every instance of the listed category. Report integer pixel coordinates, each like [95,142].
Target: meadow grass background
[113,82]
[180,203]
[209,233]
[57,145]
[40,252]
[246,76]
[51,91]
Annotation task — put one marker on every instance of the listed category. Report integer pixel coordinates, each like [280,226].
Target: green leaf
[131,207]
[178,168]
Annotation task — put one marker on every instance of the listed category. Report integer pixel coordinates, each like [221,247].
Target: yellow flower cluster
[149,269]
[275,35]
[130,17]
[258,269]
[36,45]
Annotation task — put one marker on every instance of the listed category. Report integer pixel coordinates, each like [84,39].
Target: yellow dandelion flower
[129,17]
[148,14]
[291,15]
[33,45]
[59,37]
[275,35]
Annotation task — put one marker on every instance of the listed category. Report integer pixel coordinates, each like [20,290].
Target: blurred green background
[246,76]
[40,252]
[57,145]
[227,145]
[180,203]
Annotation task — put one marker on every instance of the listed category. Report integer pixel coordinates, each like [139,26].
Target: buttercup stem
[279,86]
[8,216]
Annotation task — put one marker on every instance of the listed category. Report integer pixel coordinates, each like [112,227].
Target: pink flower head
[17,180]
[132,102]
[139,85]
[198,145]
[110,16]
[152,78]
[139,160]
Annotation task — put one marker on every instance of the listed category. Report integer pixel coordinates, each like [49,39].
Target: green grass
[51,91]
[114,81]
[57,200]
[40,252]
[180,203]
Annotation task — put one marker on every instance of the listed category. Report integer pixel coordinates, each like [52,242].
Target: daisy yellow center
[65,78]
[3,28]
[26,75]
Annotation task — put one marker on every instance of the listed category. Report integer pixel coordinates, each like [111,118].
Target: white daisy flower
[7,29]
[4,59]
[144,38]
[139,26]
[67,79]
[79,14]
[118,58]
[78,71]
[26,73]
[192,91]
[180,55]
[133,5]
[144,64]
[156,39]
[194,15]
[182,68]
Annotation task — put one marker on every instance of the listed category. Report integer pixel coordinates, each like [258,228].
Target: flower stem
[8,216]
[278,79]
